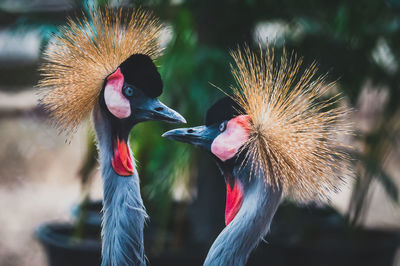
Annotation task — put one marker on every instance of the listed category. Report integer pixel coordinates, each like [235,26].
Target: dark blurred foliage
[342,36]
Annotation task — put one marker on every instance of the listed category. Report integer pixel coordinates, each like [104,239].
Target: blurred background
[50,186]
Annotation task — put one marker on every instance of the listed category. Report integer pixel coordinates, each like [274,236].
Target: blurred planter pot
[173,243]
[345,246]
[184,253]
[92,213]
[339,247]
[63,249]
[320,237]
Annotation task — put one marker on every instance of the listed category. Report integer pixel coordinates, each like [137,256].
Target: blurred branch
[33,112]
[19,105]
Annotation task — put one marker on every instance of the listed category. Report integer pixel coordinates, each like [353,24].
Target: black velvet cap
[140,71]
[224,109]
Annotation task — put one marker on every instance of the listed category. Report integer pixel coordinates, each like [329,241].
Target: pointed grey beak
[164,113]
[201,136]
[153,109]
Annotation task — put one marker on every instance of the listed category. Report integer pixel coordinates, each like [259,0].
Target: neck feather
[235,243]
[124,214]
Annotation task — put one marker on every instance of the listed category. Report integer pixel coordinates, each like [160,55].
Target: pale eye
[128,92]
[222,127]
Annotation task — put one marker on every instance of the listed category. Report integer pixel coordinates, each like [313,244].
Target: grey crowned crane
[105,67]
[272,138]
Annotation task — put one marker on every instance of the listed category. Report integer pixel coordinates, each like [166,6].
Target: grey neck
[235,243]
[124,214]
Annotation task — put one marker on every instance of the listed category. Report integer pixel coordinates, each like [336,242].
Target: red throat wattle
[122,161]
[234,200]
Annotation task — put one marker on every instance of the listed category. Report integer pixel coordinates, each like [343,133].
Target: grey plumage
[124,214]
[235,243]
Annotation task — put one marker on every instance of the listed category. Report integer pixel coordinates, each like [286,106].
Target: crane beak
[201,136]
[153,109]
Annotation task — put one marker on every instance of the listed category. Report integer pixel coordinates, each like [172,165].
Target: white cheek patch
[115,101]
[228,143]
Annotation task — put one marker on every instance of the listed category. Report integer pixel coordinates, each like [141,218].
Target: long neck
[235,243]
[123,211]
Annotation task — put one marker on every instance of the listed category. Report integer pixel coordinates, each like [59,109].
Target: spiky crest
[85,52]
[296,139]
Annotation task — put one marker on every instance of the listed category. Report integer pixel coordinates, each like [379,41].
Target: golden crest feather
[296,139]
[84,53]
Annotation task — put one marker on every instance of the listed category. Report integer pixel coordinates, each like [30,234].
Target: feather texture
[84,53]
[296,139]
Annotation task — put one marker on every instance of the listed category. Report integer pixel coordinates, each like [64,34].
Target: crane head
[297,131]
[224,135]
[106,55]
[130,93]
[129,96]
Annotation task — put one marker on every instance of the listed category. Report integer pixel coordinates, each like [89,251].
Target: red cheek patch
[234,200]
[228,143]
[122,161]
[115,101]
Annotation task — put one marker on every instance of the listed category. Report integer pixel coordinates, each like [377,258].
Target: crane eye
[128,92]
[222,126]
